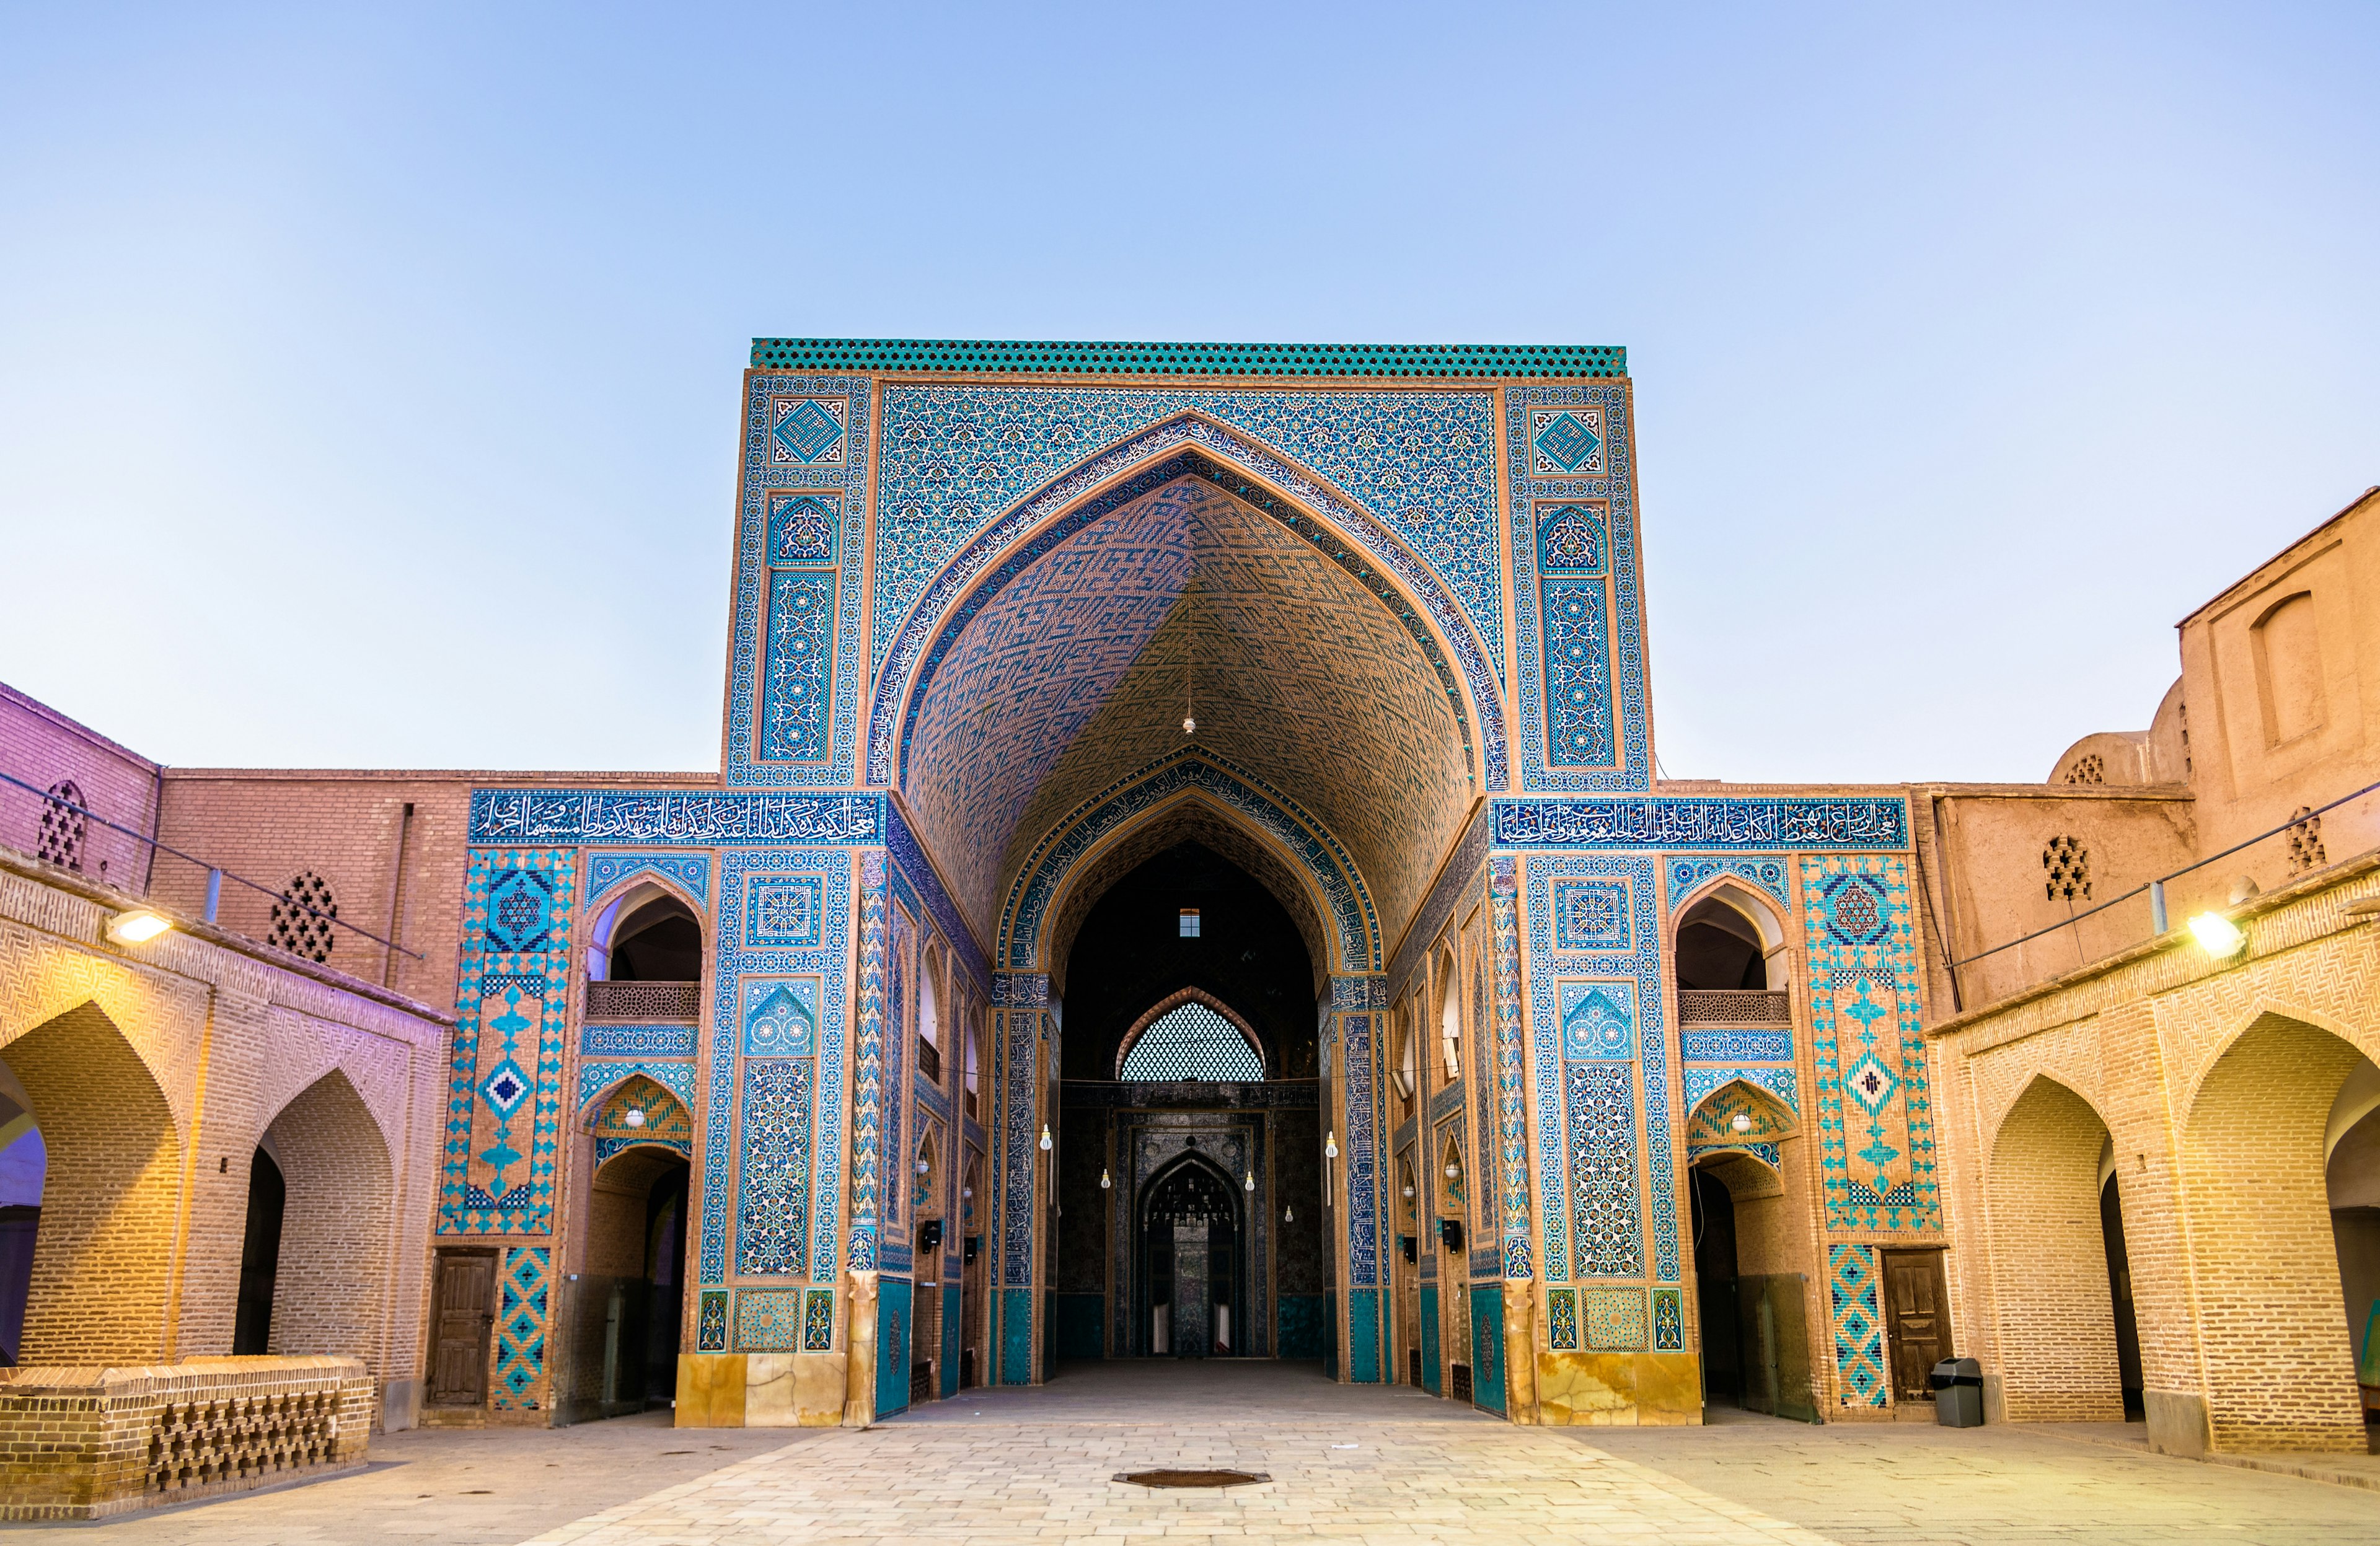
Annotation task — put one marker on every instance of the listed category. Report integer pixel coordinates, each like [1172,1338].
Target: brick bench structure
[87,1444]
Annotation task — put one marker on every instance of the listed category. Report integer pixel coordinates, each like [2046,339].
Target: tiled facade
[1007,621]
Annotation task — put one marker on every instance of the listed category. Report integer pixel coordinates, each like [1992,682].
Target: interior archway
[330,1283]
[1730,940]
[2254,1156]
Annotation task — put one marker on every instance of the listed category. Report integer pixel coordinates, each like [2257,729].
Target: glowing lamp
[632,1117]
[1250,1184]
[1289,1215]
[137,927]
[1189,726]
[1453,1171]
[1046,1144]
[1741,1121]
[2216,934]
[1330,1144]
[1104,1183]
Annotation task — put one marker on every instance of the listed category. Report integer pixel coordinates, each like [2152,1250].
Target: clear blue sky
[368,376]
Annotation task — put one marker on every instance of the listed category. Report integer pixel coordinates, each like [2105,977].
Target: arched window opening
[1719,949]
[1451,1199]
[658,941]
[63,825]
[1192,1041]
[259,1256]
[929,1019]
[301,918]
[1450,1019]
[1408,1060]
[974,1056]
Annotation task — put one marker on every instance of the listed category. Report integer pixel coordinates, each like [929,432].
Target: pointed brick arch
[1173,1001]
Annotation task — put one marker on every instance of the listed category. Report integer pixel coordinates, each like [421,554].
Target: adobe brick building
[1185,877]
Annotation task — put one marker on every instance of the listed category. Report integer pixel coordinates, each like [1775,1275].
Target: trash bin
[1958,1393]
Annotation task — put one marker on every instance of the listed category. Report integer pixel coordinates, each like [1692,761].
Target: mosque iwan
[1186,883]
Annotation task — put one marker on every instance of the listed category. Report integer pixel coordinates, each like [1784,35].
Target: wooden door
[463,1310]
[1917,1320]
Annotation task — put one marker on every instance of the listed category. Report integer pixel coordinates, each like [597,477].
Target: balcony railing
[1734,1007]
[680,1001]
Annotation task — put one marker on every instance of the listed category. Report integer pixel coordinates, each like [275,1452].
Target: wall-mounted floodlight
[137,927]
[2218,936]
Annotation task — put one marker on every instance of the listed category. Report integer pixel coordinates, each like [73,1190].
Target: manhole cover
[1192,1479]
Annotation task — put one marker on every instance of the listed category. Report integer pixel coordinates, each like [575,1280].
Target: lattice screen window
[2305,842]
[62,826]
[2089,769]
[300,931]
[2066,865]
[1192,1042]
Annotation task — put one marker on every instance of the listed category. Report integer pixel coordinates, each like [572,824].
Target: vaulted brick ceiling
[1073,677]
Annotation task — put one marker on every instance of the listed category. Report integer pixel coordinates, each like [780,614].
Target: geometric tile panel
[635,1041]
[691,871]
[1615,1320]
[1867,1043]
[1610,1235]
[710,1327]
[1591,914]
[1736,1047]
[782,912]
[1669,1321]
[504,1112]
[768,1319]
[1576,615]
[1598,1019]
[524,1296]
[660,1119]
[1561,1312]
[803,526]
[818,1321]
[773,1222]
[781,1015]
[1687,872]
[1581,1107]
[676,1076]
[798,688]
[1858,1320]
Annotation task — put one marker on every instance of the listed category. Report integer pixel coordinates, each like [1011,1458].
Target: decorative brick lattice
[2305,842]
[2065,870]
[245,1438]
[1734,1007]
[301,918]
[1192,1042]
[63,825]
[2088,769]
[666,1001]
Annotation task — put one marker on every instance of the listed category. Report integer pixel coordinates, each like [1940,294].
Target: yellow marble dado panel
[1626,1390]
[761,1390]
[793,1390]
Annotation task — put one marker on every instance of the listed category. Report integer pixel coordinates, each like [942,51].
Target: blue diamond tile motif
[505,1087]
[1871,1084]
[1568,444]
[804,431]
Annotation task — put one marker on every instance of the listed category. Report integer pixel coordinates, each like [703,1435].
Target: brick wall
[43,746]
[2049,1263]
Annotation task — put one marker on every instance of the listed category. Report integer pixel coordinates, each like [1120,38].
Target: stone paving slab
[452,1486]
[1000,1484]
[1912,1484]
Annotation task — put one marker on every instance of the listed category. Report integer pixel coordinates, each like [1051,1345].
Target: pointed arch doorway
[1191,1265]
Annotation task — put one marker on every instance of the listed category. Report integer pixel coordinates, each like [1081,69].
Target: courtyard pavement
[1348,1464]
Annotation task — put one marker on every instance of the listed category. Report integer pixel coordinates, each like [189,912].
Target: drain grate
[1192,1479]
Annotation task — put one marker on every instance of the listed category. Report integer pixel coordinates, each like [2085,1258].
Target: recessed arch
[1767,1119]
[99,1283]
[330,1289]
[1237,797]
[1174,1001]
[1195,445]
[2055,1307]
[624,905]
[637,1110]
[1734,929]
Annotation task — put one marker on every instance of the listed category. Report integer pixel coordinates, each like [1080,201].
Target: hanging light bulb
[1330,1144]
[1409,1192]
[1104,1183]
[1046,1144]
[1250,1184]
[1289,1215]
[1454,1172]
[632,1119]
[1741,1121]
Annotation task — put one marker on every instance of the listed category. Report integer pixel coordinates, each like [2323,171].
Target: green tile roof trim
[1421,361]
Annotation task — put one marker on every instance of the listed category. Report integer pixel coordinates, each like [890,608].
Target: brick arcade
[1187,876]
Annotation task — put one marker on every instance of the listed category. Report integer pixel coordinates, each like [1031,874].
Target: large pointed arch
[1324,869]
[1193,445]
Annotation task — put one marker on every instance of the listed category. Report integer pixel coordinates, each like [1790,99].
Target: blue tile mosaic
[1665,822]
[709,819]
[1689,872]
[689,872]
